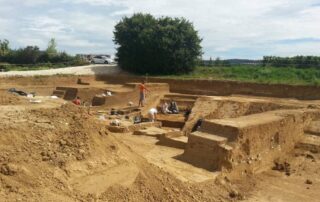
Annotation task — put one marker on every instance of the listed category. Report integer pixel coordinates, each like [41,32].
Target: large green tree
[156,46]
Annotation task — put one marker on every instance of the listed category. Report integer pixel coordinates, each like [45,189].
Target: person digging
[153,114]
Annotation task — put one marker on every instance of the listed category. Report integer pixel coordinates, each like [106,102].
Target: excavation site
[85,138]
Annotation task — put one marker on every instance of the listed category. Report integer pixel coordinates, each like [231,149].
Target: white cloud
[24,2]
[296,49]
[227,27]
[92,2]
[229,24]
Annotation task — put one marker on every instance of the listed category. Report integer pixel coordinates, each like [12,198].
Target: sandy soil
[55,151]
[302,183]
[62,153]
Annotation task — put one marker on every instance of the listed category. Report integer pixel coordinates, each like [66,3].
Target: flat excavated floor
[303,184]
[247,121]
[166,158]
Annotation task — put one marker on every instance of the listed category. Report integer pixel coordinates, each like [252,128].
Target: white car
[101,60]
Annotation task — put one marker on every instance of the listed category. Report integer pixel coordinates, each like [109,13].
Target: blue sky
[229,28]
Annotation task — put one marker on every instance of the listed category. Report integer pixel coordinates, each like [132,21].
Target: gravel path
[80,70]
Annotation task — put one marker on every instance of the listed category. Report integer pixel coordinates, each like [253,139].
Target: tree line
[297,61]
[33,55]
[268,61]
[215,63]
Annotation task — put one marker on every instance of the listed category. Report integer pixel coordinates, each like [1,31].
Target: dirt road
[80,70]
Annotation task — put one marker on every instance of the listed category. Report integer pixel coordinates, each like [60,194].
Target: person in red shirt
[142,90]
[77,101]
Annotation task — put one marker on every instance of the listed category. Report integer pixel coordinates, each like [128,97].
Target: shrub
[156,46]
[27,55]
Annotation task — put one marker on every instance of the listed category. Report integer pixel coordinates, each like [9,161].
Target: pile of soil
[7,98]
[65,154]
[36,145]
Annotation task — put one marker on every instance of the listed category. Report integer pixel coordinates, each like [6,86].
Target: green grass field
[272,75]
[254,74]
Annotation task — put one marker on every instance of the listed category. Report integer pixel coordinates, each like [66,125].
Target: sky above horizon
[229,28]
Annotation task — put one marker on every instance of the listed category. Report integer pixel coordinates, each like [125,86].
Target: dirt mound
[39,146]
[65,154]
[10,99]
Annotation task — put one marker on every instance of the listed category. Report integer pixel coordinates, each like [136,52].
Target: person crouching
[153,114]
[77,101]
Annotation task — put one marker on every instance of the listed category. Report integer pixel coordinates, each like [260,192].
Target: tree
[4,48]
[210,64]
[297,61]
[217,62]
[156,46]
[28,55]
[52,48]
[225,63]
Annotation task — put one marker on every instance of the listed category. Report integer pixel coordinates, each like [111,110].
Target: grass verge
[256,74]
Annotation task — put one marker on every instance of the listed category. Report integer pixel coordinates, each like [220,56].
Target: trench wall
[254,147]
[216,87]
[210,108]
[192,86]
[259,146]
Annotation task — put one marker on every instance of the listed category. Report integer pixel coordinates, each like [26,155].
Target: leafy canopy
[156,46]
[52,47]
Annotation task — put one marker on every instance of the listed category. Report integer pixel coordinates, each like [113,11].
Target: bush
[79,62]
[156,46]
[27,55]
[31,57]
[297,61]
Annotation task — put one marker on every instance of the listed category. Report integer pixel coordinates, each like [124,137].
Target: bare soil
[56,151]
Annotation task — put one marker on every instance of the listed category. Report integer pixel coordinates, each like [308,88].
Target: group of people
[171,108]
[166,108]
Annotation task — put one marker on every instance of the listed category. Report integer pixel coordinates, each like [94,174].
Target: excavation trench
[77,151]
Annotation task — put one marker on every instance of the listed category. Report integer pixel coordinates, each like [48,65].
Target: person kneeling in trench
[77,101]
[165,108]
[173,107]
[153,114]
